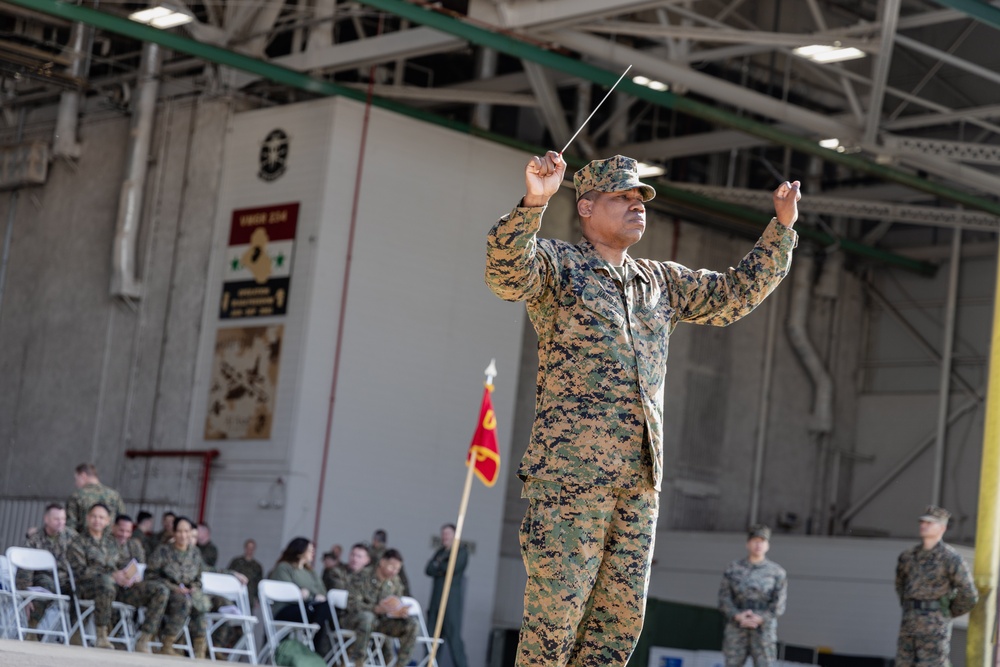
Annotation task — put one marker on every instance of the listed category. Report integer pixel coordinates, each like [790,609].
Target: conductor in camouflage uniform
[934,586]
[594,463]
[178,566]
[90,492]
[751,598]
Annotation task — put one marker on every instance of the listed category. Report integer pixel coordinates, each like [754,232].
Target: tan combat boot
[168,645]
[102,637]
[142,643]
[200,647]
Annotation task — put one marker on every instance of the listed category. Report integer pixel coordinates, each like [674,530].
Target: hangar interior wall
[85,377]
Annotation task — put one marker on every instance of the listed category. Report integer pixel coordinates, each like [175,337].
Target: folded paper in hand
[132,571]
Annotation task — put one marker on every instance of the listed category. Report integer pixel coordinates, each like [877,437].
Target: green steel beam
[524,50]
[298,80]
[987,13]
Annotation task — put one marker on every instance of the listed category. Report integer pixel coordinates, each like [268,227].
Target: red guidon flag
[484,451]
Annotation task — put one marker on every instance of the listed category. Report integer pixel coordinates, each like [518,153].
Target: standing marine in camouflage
[594,464]
[751,598]
[250,568]
[148,594]
[934,586]
[55,537]
[90,492]
[178,565]
[373,605]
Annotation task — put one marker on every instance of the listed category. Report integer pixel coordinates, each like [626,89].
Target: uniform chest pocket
[655,316]
[597,300]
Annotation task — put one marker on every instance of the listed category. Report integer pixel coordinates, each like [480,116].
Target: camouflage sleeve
[74,517]
[515,268]
[726,603]
[779,597]
[900,576]
[83,567]
[721,298]
[966,595]
[357,600]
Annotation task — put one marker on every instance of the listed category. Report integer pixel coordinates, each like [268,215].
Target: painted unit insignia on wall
[258,265]
[244,382]
[273,155]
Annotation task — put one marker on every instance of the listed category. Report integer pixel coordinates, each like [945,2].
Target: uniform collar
[595,262]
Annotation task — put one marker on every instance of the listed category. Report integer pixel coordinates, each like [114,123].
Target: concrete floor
[33,654]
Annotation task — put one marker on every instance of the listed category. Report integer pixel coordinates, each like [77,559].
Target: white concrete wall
[420,326]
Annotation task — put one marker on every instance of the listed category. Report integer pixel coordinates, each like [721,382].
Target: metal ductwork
[64,142]
[124,281]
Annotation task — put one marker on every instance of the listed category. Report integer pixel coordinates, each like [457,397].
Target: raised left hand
[786,199]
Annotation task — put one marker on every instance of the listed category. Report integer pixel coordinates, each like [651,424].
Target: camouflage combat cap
[936,514]
[759,530]
[614,174]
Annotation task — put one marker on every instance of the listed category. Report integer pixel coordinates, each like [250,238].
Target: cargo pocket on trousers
[540,528]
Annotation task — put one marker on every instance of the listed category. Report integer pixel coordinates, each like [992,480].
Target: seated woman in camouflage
[178,564]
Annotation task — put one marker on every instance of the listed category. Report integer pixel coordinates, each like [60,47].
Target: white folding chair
[8,627]
[424,638]
[340,639]
[37,560]
[228,587]
[270,591]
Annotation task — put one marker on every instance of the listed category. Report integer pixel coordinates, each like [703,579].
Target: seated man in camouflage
[152,595]
[373,605]
[54,537]
[93,555]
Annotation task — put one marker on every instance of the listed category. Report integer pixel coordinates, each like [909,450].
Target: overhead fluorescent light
[161,16]
[826,53]
[829,143]
[645,170]
[650,83]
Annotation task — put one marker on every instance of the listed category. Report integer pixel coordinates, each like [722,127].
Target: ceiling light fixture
[650,83]
[826,53]
[646,170]
[161,16]
[829,143]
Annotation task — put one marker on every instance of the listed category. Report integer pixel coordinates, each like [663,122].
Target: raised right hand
[542,178]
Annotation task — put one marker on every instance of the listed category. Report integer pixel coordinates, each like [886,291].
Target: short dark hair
[380,535]
[178,519]
[142,516]
[95,505]
[449,525]
[53,506]
[124,517]
[86,469]
[392,553]
[169,513]
[361,545]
